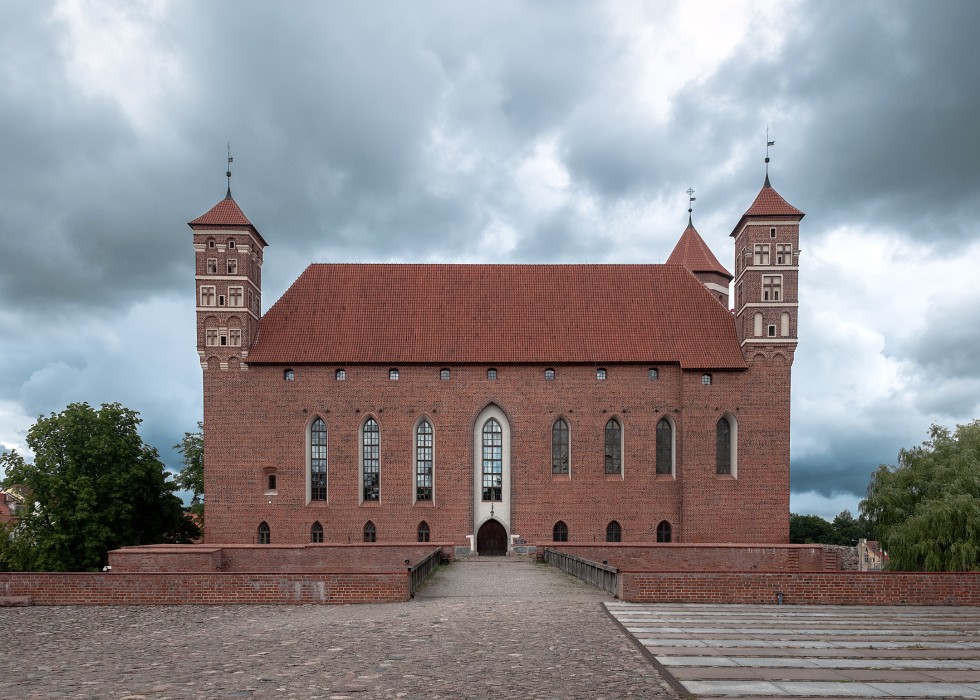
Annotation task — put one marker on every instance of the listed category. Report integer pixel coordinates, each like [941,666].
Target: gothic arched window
[723,446]
[665,447]
[316,532]
[265,534]
[371,460]
[559,447]
[318,460]
[370,532]
[493,461]
[560,532]
[663,531]
[614,447]
[614,532]
[423,461]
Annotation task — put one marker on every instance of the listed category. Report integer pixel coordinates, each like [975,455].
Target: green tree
[191,476]
[810,529]
[94,486]
[926,510]
[848,529]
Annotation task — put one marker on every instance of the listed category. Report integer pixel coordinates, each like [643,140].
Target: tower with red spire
[767,253]
[228,278]
[693,253]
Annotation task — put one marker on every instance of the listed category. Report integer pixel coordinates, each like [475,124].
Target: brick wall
[204,588]
[272,558]
[258,422]
[801,588]
[709,557]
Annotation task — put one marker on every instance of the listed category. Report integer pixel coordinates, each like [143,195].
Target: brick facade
[258,410]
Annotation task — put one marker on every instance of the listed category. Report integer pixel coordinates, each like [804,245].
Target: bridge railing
[600,575]
[421,571]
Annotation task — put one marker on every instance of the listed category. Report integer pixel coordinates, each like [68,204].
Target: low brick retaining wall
[176,588]
[271,558]
[801,588]
[708,557]
[233,575]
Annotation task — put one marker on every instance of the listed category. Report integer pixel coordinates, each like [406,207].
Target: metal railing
[600,575]
[420,572]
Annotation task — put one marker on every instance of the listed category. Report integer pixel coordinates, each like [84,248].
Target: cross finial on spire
[690,206]
[768,144]
[228,172]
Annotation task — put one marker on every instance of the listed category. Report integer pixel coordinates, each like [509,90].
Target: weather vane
[228,172]
[768,144]
[690,205]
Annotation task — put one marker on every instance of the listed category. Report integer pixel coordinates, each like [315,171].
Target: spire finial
[690,206]
[768,144]
[228,172]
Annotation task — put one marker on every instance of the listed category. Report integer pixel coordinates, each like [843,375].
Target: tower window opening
[772,330]
[772,232]
[772,287]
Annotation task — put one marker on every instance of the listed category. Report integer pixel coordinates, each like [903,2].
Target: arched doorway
[491,540]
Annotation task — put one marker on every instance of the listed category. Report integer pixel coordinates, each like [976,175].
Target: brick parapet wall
[174,588]
[708,557]
[801,588]
[335,558]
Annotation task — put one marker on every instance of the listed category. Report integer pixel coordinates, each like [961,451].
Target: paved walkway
[752,651]
[486,629]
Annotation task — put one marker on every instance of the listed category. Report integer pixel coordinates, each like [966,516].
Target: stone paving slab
[811,651]
[497,629]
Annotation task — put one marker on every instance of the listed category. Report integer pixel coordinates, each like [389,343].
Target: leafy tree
[926,510]
[810,529]
[94,486]
[848,529]
[191,476]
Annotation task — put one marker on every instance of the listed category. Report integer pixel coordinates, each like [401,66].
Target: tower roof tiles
[769,203]
[693,253]
[225,214]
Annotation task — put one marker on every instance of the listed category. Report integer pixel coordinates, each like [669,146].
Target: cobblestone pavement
[483,629]
[751,651]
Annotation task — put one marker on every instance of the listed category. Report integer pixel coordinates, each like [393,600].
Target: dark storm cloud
[874,105]
[392,131]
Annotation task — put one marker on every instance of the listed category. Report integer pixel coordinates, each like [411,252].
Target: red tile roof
[769,203]
[225,213]
[693,253]
[498,314]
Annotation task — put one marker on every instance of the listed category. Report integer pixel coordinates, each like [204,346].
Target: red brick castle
[494,406]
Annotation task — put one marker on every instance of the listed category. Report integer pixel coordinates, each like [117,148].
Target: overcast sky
[496,132]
